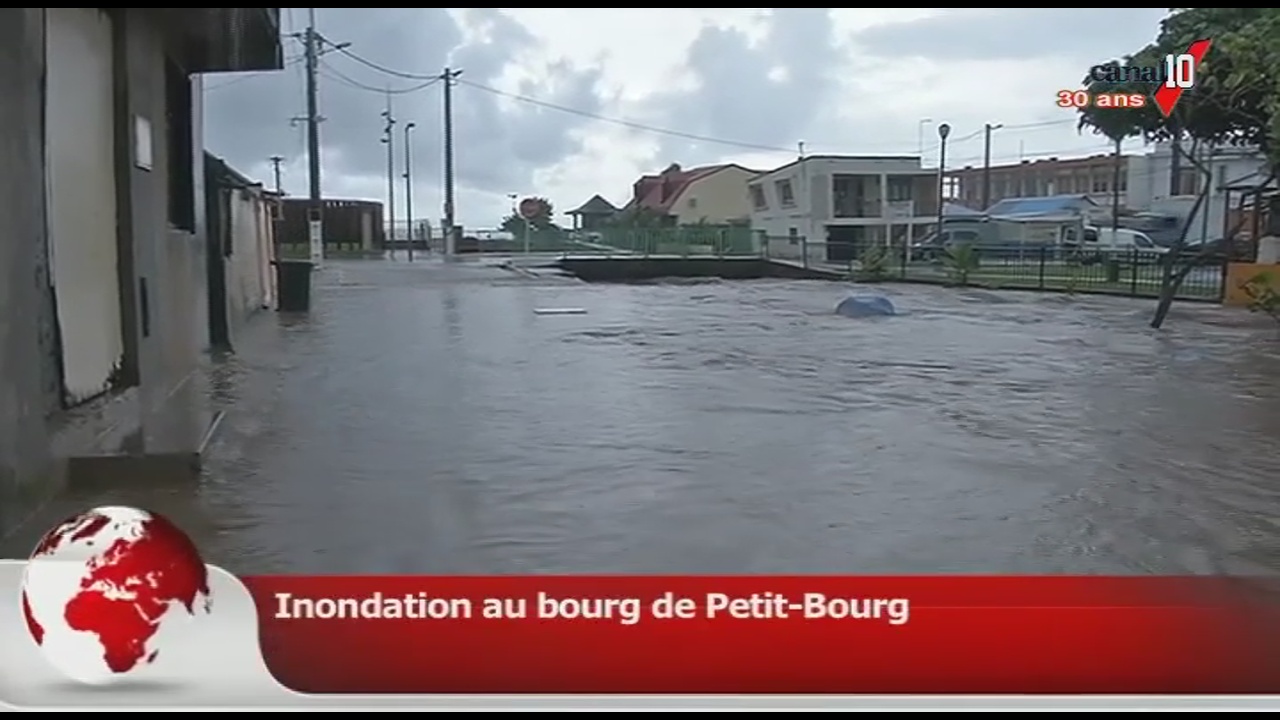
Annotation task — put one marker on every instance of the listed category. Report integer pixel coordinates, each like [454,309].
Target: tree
[1233,102]
[637,217]
[540,222]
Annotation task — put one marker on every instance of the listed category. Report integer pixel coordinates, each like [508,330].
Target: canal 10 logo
[1169,80]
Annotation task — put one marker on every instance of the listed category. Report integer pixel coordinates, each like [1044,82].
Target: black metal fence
[1129,272]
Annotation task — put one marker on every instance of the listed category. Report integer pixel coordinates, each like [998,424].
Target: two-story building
[713,194]
[103,301]
[1093,176]
[832,206]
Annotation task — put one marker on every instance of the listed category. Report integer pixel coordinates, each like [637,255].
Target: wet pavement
[425,420]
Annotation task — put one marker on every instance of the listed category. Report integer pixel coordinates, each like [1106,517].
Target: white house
[831,206]
[1150,185]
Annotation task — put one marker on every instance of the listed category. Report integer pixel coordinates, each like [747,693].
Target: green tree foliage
[1234,100]
[542,221]
[1237,86]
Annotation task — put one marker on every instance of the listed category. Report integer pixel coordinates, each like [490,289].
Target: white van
[1102,242]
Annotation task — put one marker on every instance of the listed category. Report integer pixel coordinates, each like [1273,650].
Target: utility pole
[315,224]
[388,137]
[408,185]
[275,171]
[450,235]
[1115,188]
[986,164]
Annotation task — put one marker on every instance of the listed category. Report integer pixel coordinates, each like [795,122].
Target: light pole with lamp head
[943,131]
[408,184]
[388,139]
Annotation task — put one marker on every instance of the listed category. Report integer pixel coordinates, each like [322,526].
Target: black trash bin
[293,284]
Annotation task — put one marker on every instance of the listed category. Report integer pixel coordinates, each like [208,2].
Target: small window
[693,203]
[1090,235]
[785,195]
[758,200]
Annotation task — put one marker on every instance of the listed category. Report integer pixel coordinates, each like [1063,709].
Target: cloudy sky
[569,102]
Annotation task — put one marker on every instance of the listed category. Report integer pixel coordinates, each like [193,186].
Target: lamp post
[408,184]
[943,131]
[389,140]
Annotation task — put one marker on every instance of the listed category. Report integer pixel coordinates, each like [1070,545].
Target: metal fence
[1132,272]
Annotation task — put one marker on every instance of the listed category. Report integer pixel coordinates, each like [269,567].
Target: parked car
[1217,251]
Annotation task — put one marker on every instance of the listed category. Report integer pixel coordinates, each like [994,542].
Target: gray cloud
[247,119]
[1013,33]
[769,94]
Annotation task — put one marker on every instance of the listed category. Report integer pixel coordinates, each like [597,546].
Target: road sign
[529,208]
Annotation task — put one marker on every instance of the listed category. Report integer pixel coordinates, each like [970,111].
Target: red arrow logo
[1180,75]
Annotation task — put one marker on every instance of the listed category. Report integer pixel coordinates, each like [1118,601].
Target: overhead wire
[334,74]
[428,80]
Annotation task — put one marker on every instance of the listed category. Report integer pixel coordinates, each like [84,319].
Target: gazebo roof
[595,206]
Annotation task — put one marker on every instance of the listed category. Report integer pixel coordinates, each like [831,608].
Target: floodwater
[426,420]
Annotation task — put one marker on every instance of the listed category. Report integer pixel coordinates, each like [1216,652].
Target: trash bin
[293,285]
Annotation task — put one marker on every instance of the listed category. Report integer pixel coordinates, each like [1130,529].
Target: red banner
[770,634]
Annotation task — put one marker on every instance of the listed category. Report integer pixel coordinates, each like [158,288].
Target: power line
[625,123]
[429,80]
[335,74]
[384,68]
[252,75]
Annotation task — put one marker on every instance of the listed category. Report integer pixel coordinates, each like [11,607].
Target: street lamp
[943,131]
[387,139]
[408,184]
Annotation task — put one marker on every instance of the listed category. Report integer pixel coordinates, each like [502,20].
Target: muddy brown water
[425,420]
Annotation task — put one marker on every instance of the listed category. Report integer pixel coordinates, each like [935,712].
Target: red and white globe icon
[106,591]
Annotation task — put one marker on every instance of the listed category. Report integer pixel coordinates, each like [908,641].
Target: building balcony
[225,39]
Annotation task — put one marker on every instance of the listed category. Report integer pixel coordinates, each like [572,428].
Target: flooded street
[425,420]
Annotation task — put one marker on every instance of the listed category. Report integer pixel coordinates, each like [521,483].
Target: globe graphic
[105,590]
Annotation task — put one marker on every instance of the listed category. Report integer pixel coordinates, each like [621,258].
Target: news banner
[116,609]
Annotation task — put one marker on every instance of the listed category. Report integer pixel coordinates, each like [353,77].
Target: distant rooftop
[1052,205]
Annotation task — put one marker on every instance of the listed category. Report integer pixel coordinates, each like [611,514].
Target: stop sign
[529,208]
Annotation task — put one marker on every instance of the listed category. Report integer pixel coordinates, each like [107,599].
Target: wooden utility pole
[315,214]
[450,235]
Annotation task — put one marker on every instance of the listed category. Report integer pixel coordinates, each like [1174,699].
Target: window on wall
[899,189]
[1188,181]
[758,200]
[179,133]
[786,197]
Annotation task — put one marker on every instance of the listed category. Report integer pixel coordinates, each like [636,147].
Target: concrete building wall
[157,271]
[248,267]
[717,198]
[170,281]
[1150,187]
[27,470]
[812,208]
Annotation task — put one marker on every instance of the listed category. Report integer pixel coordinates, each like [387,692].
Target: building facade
[829,207]
[103,302]
[714,194]
[241,248]
[1152,187]
[1094,176]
